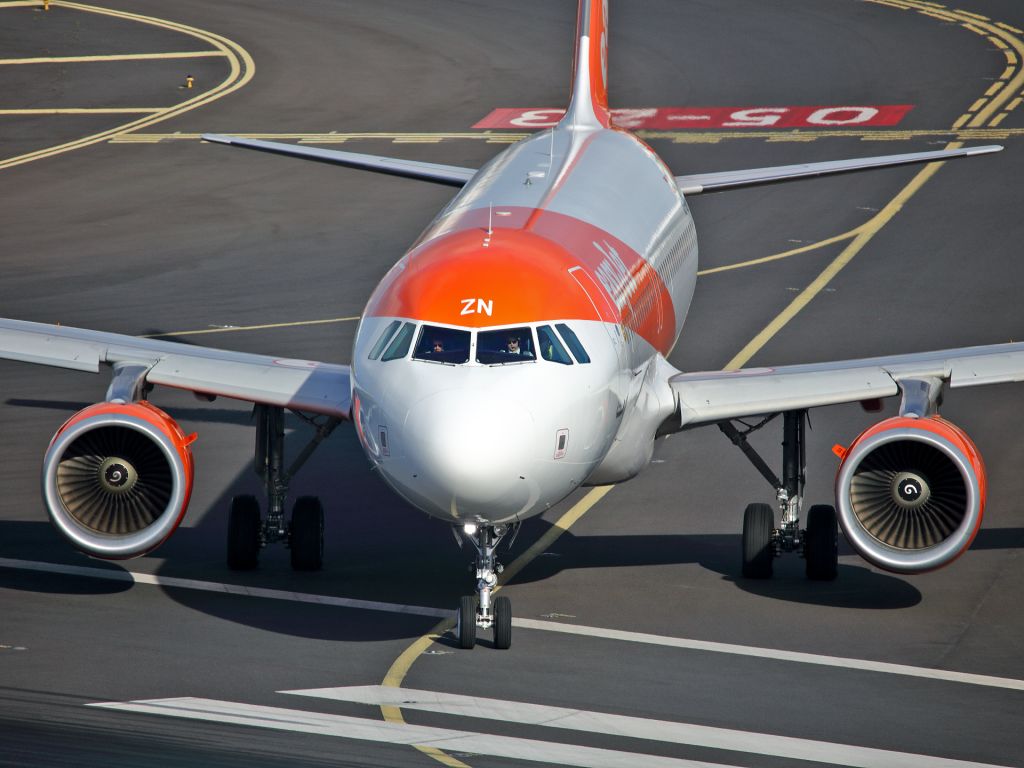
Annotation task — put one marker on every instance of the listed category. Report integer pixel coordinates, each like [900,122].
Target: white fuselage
[583,231]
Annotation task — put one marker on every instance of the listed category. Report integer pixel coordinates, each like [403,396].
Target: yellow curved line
[264,327]
[242,69]
[785,254]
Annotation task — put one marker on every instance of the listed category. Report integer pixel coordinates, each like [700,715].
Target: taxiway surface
[635,610]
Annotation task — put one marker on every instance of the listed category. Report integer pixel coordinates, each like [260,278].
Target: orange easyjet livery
[531,321]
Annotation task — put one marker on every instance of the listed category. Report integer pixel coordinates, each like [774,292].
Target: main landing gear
[304,534]
[762,541]
[483,610]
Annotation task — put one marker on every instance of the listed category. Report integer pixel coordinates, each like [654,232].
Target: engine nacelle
[910,493]
[117,479]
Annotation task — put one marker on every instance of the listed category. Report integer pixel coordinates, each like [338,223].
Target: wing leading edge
[450,175]
[301,385]
[701,183]
[721,395]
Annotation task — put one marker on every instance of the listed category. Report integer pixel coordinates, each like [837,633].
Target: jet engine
[910,493]
[117,478]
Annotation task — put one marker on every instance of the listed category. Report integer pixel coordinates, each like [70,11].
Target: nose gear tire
[465,629]
[502,623]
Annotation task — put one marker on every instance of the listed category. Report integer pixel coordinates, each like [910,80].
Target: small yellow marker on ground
[189,80]
[46,5]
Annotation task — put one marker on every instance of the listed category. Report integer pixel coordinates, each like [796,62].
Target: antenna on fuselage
[490,219]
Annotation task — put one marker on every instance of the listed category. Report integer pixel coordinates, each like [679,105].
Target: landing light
[469,529]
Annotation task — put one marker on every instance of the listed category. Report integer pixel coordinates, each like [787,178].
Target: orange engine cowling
[117,478]
[910,493]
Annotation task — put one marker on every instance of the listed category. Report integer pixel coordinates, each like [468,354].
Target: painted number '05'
[477,307]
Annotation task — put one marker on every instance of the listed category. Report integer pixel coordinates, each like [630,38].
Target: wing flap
[450,175]
[303,385]
[699,183]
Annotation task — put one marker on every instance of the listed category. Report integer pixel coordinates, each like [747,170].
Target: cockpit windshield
[510,345]
[442,345]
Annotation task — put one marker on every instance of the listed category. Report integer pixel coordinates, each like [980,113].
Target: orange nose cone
[473,278]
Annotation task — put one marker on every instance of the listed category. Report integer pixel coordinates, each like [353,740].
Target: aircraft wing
[301,385]
[721,395]
[699,183]
[449,175]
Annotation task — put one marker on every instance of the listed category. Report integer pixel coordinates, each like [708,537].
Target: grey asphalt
[179,235]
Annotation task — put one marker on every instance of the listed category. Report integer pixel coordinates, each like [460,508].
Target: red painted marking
[519,273]
[677,118]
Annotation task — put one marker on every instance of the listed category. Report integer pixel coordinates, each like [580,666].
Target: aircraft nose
[475,448]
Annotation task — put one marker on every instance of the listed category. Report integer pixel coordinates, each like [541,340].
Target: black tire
[465,629]
[307,534]
[821,543]
[502,623]
[244,534]
[758,553]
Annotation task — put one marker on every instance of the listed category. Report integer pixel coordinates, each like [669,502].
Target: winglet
[588,107]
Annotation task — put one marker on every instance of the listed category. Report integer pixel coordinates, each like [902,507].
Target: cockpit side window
[510,345]
[442,345]
[573,342]
[378,347]
[399,347]
[550,347]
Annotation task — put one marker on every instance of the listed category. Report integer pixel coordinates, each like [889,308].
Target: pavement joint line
[171,582]
[113,57]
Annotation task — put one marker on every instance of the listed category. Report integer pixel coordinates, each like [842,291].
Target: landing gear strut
[483,610]
[762,541]
[304,534]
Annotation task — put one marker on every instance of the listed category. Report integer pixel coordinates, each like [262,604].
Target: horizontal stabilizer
[450,175]
[699,183]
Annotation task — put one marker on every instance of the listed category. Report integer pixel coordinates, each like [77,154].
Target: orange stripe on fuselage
[519,273]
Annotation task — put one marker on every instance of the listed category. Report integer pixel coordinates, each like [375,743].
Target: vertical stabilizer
[588,107]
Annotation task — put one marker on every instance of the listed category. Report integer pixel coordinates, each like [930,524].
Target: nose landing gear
[483,610]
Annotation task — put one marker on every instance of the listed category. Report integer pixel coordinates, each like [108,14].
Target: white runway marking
[773,654]
[364,729]
[227,589]
[631,727]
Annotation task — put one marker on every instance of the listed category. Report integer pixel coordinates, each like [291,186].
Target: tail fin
[588,107]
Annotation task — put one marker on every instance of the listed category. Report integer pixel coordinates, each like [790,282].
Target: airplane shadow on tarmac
[379,548]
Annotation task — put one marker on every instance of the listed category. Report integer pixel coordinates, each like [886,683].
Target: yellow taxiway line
[241,70]
[266,326]
[85,111]
[114,57]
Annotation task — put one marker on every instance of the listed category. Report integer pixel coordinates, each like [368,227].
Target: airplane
[516,353]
